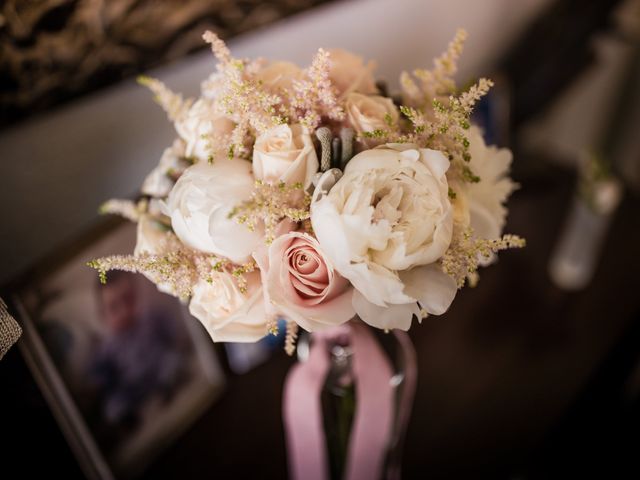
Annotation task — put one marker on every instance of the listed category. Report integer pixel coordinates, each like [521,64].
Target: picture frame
[124,368]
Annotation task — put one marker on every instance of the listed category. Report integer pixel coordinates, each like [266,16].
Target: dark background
[517,380]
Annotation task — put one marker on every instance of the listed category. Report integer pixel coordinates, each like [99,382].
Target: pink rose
[301,284]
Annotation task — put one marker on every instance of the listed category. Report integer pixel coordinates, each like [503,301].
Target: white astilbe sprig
[436,115]
[124,208]
[176,268]
[172,103]
[466,253]
[270,204]
[437,82]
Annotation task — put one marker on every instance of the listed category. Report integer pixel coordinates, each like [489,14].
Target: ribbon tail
[374,408]
[302,412]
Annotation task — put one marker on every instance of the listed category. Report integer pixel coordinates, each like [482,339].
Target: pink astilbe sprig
[314,96]
[243,98]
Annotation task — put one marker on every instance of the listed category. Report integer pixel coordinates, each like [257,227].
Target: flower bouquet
[312,196]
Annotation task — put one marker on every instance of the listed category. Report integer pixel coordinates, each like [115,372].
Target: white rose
[199,205]
[228,314]
[278,76]
[367,113]
[383,225]
[285,153]
[348,73]
[200,128]
[161,179]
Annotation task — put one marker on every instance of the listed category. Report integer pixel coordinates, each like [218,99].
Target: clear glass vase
[340,403]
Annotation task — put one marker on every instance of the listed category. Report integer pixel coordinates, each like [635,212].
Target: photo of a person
[140,356]
[129,362]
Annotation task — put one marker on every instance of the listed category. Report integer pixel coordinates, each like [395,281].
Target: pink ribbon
[371,433]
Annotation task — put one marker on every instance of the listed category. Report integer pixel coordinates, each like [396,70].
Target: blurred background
[533,374]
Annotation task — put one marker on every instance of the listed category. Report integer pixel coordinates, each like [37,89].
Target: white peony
[201,127]
[199,205]
[482,203]
[384,225]
[285,153]
[172,163]
[228,314]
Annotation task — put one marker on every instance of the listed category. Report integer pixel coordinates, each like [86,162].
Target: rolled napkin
[10,331]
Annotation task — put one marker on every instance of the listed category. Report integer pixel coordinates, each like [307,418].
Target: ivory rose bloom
[200,127]
[301,283]
[228,314]
[285,153]
[348,73]
[383,225]
[199,205]
[367,113]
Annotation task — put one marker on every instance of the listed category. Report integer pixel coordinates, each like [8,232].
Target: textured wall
[53,50]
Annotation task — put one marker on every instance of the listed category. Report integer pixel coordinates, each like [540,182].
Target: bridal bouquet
[312,195]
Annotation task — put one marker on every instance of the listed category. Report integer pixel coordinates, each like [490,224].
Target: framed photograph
[124,367]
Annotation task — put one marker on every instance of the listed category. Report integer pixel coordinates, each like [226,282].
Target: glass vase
[339,397]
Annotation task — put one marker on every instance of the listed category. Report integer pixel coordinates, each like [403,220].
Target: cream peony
[285,153]
[200,128]
[383,225]
[302,285]
[348,73]
[199,205]
[228,314]
[367,113]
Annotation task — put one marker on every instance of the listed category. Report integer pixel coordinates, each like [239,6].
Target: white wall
[57,169]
